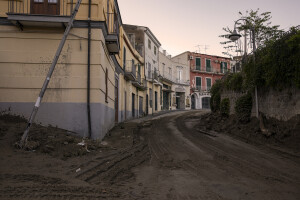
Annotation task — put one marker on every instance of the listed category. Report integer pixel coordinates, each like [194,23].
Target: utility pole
[47,80]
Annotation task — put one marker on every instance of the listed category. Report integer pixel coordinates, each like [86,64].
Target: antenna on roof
[200,46]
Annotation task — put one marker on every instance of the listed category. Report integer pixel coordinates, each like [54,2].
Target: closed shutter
[225,67]
[198,81]
[198,64]
[208,67]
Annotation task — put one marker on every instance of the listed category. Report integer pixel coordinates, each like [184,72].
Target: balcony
[202,89]
[113,30]
[141,84]
[49,13]
[182,82]
[153,75]
[130,71]
[210,70]
[167,77]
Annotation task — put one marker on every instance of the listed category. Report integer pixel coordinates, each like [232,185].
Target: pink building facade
[204,71]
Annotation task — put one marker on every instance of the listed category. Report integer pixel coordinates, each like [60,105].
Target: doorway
[116,99]
[141,112]
[132,106]
[147,104]
[193,102]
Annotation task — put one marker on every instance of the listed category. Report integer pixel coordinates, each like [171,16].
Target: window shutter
[198,81]
[198,63]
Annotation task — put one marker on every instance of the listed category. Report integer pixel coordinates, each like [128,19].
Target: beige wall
[25,58]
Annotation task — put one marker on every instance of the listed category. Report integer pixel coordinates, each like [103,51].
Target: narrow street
[160,157]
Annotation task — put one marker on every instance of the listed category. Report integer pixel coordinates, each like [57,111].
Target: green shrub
[243,107]
[215,102]
[225,107]
[215,96]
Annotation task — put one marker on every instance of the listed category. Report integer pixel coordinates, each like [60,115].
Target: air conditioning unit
[191,57]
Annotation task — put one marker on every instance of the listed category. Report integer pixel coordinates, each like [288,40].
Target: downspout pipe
[89,73]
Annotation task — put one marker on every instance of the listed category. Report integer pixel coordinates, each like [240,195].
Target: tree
[261,23]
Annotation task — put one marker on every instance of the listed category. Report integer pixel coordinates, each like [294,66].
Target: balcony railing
[201,89]
[152,74]
[138,77]
[40,7]
[184,82]
[167,76]
[130,70]
[208,70]
[113,29]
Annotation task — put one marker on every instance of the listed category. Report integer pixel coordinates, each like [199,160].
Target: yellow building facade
[29,38]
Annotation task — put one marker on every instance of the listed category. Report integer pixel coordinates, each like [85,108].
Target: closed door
[147,104]
[132,110]
[116,99]
[141,112]
[45,7]
[193,102]
[155,100]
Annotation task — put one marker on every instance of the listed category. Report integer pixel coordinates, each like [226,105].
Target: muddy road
[165,157]
[188,164]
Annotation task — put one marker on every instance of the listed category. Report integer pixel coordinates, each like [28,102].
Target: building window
[198,83]
[208,83]
[52,1]
[198,63]
[208,66]
[149,43]
[223,67]
[124,58]
[154,50]
[179,75]
[170,71]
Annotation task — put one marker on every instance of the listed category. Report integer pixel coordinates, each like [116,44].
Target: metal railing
[25,7]
[209,70]
[113,24]
[130,67]
[138,77]
[144,82]
[167,75]
[201,88]
[153,74]
[182,81]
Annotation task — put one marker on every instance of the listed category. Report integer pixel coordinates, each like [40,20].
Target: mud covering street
[171,156]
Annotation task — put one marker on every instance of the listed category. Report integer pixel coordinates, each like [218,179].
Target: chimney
[169,56]
[164,52]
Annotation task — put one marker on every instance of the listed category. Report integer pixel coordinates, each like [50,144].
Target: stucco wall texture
[281,105]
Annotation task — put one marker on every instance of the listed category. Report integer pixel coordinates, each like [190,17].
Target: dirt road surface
[165,157]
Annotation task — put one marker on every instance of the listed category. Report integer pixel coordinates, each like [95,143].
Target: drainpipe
[89,73]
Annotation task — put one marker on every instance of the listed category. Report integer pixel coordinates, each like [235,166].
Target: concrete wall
[281,105]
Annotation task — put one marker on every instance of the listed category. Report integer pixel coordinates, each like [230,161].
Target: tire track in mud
[228,160]
[116,167]
[39,192]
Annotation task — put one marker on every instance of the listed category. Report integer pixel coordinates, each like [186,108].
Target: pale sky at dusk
[181,25]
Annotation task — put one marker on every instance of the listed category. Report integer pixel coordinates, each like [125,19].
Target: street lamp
[235,36]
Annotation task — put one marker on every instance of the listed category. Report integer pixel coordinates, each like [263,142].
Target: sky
[189,25]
